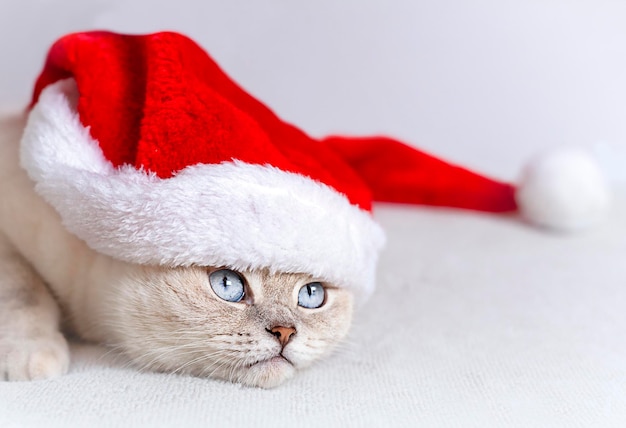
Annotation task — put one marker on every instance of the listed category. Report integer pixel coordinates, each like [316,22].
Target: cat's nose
[283,334]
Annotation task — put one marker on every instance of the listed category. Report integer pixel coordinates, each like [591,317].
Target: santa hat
[151,154]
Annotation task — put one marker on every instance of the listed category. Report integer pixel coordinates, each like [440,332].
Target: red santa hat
[151,154]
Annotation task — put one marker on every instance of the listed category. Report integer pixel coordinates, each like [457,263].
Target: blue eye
[311,296]
[227,284]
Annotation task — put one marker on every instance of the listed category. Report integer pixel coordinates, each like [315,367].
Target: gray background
[485,83]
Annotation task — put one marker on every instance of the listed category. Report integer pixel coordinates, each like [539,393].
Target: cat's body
[165,319]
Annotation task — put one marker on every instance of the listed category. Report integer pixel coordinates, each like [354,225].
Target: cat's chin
[267,373]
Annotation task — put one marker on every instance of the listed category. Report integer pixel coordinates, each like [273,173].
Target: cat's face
[255,328]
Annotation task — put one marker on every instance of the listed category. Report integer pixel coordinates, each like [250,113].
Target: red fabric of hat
[151,154]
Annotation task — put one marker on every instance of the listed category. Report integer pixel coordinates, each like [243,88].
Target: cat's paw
[33,358]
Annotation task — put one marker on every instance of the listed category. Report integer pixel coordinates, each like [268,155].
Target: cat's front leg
[31,345]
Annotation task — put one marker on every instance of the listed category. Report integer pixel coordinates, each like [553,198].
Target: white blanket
[477,321]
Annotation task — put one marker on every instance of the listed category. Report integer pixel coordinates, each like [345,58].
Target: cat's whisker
[216,366]
[201,359]
[160,357]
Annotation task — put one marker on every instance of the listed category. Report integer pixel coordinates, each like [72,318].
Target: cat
[258,331]
[163,175]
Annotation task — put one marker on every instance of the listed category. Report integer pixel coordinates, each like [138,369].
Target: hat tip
[563,190]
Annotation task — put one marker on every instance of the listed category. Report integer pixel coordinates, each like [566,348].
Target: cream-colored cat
[257,328]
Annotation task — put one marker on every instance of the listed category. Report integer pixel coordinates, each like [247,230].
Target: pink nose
[283,334]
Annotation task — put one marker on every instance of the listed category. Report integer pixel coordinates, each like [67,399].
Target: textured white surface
[477,321]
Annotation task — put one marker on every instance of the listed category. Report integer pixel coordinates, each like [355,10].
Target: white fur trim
[563,190]
[231,214]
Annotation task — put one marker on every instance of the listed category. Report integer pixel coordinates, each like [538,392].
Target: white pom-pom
[563,190]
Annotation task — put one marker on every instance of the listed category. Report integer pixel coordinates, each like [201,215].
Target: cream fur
[79,276]
[233,214]
[31,346]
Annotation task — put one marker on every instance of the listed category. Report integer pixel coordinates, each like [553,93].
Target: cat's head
[256,328]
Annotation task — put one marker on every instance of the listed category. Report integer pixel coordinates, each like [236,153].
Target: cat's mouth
[276,360]
[268,372]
